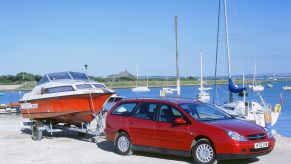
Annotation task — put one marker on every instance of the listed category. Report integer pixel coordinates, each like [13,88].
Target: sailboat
[140,88]
[262,115]
[256,87]
[202,95]
[275,79]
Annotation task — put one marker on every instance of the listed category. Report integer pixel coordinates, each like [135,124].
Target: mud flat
[16,146]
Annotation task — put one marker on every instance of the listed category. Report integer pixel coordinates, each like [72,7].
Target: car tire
[123,144]
[203,152]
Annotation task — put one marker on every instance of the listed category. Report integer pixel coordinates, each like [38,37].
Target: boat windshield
[204,112]
[59,76]
[63,76]
[79,76]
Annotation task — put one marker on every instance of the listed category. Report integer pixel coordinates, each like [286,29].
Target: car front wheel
[203,152]
[123,144]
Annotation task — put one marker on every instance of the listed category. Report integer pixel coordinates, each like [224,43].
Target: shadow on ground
[63,134]
[108,146]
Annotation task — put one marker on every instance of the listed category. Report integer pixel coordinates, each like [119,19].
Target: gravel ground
[16,146]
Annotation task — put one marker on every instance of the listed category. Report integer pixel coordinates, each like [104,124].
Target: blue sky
[40,36]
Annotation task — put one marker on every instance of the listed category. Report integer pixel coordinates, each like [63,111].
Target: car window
[145,111]
[169,113]
[124,109]
[204,112]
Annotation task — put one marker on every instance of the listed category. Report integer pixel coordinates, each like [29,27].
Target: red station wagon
[184,127]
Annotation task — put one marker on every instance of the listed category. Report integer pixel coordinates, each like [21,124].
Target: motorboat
[9,108]
[65,97]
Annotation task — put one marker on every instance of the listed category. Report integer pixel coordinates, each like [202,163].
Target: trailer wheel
[36,134]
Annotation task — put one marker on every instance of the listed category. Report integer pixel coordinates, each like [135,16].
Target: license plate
[261,145]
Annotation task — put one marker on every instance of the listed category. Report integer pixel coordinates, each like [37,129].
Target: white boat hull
[253,112]
[258,88]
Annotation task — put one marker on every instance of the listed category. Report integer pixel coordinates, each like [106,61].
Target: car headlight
[235,136]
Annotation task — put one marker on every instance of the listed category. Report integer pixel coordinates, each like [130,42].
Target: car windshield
[204,112]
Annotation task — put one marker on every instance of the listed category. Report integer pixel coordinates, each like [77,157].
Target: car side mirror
[180,121]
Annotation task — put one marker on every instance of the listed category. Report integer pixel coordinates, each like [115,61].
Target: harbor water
[270,95]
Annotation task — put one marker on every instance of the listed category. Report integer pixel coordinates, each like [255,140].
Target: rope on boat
[98,118]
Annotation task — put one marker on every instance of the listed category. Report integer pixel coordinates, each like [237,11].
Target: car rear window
[124,109]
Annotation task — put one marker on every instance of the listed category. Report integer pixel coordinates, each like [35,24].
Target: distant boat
[140,88]
[10,108]
[270,85]
[287,87]
[202,95]
[256,87]
[275,79]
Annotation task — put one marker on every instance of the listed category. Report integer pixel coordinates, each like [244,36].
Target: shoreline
[28,86]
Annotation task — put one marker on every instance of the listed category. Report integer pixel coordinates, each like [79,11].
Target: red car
[184,127]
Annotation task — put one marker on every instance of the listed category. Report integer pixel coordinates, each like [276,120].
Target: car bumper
[241,156]
[244,150]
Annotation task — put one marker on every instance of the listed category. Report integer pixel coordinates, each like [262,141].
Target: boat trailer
[39,126]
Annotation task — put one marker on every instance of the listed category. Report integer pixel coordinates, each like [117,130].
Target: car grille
[256,136]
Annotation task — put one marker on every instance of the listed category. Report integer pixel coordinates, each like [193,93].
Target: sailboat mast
[255,71]
[177,56]
[136,75]
[244,92]
[227,48]
[227,40]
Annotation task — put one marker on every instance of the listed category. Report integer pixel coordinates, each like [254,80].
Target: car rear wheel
[123,144]
[203,152]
